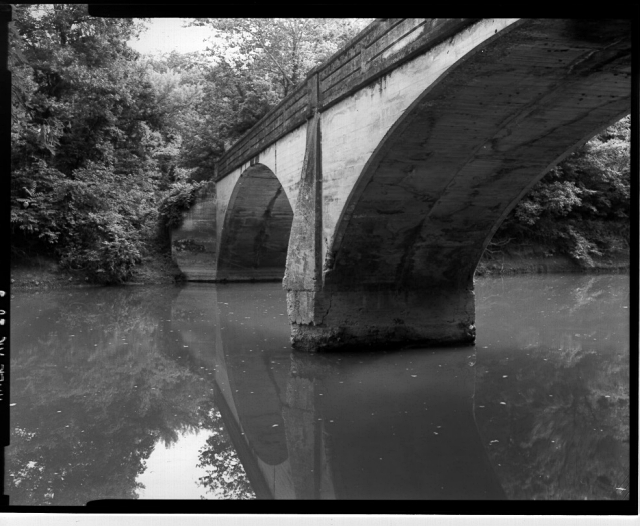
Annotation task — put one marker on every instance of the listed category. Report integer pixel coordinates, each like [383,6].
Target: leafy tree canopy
[89,141]
[580,208]
[280,51]
[108,147]
[253,64]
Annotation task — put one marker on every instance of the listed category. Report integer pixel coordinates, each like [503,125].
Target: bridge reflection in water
[102,378]
[353,426]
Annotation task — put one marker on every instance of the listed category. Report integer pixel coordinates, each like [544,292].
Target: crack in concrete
[328,309]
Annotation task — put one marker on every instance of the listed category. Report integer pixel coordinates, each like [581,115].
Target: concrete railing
[379,48]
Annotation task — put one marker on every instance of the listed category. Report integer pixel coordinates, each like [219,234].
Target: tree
[253,64]
[278,50]
[581,207]
[101,137]
[226,477]
[87,141]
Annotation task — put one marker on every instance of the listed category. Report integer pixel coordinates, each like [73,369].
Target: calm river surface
[193,391]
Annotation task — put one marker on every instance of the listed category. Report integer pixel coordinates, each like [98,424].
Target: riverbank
[41,273]
[536,259]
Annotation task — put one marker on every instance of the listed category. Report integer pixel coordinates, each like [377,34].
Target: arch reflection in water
[102,378]
[349,426]
[100,381]
[540,410]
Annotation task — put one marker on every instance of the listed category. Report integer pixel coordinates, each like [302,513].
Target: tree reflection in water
[539,410]
[225,476]
[552,386]
[99,378]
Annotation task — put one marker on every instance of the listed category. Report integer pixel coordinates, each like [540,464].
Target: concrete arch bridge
[374,188]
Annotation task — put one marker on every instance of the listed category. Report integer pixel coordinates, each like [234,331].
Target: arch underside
[256,230]
[461,158]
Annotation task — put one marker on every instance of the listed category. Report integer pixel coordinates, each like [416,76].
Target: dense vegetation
[580,208]
[88,138]
[108,146]
[92,404]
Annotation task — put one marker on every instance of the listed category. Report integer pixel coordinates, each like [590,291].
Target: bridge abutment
[194,242]
[381,317]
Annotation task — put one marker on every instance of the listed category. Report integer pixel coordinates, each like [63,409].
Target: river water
[193,392]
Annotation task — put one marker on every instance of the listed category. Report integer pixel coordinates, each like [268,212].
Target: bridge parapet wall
[376,50]
[284,118]
[381,47]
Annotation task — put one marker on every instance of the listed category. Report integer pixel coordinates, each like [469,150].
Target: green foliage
[581,207]
[104,141]
[179,198]
[253,64]
[85,220]
[279,51]
[90,150]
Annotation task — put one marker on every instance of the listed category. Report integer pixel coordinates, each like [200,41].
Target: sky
[167,34]
[172,472]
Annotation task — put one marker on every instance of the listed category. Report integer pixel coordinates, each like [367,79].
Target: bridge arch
[401,155]
[257,225]
[451,168]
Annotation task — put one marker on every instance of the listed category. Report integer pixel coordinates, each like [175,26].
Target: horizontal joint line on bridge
[341,79]
[397,40]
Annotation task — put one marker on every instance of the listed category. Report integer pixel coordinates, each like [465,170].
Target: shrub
[179,198]
[581,207]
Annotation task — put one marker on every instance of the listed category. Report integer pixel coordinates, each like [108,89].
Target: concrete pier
[373,189]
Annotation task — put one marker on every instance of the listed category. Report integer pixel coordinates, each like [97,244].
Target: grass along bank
[44,273]
[532,258]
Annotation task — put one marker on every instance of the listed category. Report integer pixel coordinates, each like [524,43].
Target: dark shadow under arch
[448,173]
[256,229]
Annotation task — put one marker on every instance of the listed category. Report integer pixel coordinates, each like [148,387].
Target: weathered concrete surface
[353,129]
[255,235]
[263,231]
[194,243]
[284,158]
[378,49]
[380,316]
[443,179]
[396,161]
[304,256]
